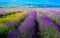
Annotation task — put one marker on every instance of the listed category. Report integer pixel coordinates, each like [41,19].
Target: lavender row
[47,26]
[27,27]
[11,25]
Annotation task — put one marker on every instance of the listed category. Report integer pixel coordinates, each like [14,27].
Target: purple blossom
[26,28]
[46,22]
[13,34]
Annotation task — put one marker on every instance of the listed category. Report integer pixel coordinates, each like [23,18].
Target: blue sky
[53,2]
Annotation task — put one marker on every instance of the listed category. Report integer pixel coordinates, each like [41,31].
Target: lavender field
[29,22]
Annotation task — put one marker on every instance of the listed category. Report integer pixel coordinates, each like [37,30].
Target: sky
[53,2]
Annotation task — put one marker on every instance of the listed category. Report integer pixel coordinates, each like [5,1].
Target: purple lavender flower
[32,14]
[45,24]
[47,27]
[26,28]
[13,34]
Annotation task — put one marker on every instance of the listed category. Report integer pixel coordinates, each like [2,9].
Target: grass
[11,17]
[55,19]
